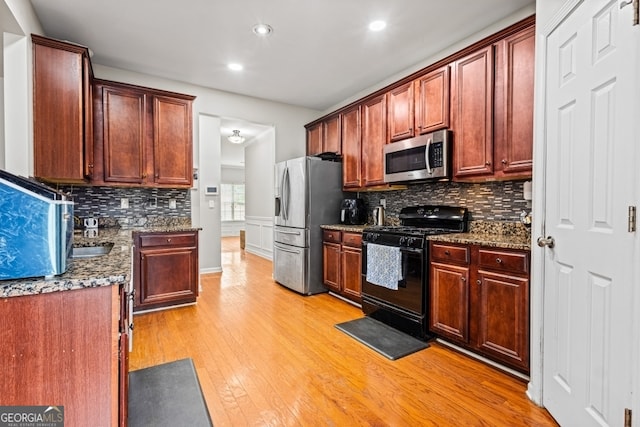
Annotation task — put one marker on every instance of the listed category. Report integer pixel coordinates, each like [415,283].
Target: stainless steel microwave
[421,158]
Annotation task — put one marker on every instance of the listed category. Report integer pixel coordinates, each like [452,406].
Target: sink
[91,251]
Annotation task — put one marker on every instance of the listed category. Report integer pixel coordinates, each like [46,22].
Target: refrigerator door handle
[285,194]
[278,206]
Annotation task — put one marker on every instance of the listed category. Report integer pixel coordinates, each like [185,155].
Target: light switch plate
[172,203]
[124,203]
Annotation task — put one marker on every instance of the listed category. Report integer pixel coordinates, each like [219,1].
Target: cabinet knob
[504,161]
[479,282]
[487,163]
[499,261]
[463,279]
[447,253]
[168,240]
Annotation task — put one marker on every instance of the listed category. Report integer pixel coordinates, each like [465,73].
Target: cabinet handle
[498,260]
[447,253]
[479,282]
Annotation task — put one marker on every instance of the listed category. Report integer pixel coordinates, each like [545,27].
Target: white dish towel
[384,265]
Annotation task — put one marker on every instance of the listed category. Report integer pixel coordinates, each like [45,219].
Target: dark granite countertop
[344,227]
[107,270]
[499,234]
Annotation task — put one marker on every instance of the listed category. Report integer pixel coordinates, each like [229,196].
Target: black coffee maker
[353,211]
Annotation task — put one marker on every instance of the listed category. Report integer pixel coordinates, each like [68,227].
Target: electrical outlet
[124,203]
[172,203]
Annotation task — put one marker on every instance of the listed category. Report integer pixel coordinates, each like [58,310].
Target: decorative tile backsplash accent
[491,201]
[147,206]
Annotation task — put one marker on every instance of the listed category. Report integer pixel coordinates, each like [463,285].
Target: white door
[589,184]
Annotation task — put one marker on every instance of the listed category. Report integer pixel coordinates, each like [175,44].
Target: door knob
[548,241]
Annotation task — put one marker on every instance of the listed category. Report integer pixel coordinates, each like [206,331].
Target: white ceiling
[319,54]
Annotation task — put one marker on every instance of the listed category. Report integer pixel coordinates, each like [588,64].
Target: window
[232,199]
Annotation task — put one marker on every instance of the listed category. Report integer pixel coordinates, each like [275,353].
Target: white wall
[232,174]
[259,193]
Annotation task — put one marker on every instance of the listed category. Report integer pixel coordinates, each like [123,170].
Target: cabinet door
[374,138]
[401,112]
[124,124]
[514,105]
[331,135]
[432,101]
[449,301]
[331,266]
[351,149]
[503,317]
[472,114]
[59,101]
[172,142]
[167,276]
[314,139]
[352,273]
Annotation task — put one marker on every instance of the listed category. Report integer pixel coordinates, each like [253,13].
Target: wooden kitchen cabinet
[480,300]
[400,113]
[374,138]
[432,101]
[449,292]
[165,269]
[342,263]
[325,136]
[143,137]
[513,116]
[352,148]
[62,111]
[67,348]
[492,110]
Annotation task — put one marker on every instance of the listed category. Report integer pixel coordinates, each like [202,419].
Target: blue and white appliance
[36,229]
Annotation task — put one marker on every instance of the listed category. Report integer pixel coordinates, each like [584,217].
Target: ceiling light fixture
[235,67]
[262,30]
[377,25]
[235,138]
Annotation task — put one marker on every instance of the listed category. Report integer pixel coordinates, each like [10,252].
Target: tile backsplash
[491,201]
[146,205]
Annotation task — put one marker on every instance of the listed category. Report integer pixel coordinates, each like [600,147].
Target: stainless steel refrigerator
[308,193]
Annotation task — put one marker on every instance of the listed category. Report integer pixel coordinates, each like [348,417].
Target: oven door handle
[402,249]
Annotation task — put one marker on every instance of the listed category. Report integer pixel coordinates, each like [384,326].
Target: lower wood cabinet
[165,269]
[342,263]
[67,348]
[479,299]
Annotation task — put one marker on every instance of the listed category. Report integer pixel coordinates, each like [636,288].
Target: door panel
[590,82]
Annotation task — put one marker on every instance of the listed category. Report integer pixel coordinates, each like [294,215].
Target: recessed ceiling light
[262,30]
[377,25]
[235,67]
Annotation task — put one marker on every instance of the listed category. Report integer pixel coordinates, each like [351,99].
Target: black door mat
[167,395]
[382,338]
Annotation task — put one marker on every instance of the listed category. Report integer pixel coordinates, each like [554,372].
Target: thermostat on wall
[211,190]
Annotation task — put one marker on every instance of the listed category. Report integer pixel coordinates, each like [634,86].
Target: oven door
[411,294]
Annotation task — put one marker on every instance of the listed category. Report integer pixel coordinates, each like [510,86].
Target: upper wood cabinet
[432,101]
[351,148]
[62,111]
[513,117]
[400,112]
[325,136]
[472,111]
[492,110]
[143,136]
[374,138]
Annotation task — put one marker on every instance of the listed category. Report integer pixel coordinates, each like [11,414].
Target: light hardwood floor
[268,356]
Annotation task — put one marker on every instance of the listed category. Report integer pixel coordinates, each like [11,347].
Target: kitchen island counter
[106,270]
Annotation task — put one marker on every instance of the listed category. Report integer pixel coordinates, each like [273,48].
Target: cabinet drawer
[352,239]
[332,236]
[178,239]
[449,253]
[501,260]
